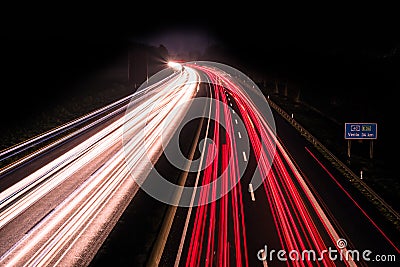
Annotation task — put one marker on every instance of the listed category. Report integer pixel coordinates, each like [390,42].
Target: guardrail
[36,140]
[59,140]
[55,137]
[391,214]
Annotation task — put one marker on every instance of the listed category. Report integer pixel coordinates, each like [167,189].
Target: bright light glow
[174,65]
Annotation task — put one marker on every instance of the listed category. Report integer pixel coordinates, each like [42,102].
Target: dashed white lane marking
[251,190]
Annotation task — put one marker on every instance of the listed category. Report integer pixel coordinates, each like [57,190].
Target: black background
[352,50]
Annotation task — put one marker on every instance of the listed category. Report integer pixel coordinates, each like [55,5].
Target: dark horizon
[336,58]
[45,69]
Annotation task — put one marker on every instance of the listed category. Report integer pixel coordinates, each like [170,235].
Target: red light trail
[297,216]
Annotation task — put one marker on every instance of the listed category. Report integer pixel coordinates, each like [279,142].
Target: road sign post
[348,148]
[360,131]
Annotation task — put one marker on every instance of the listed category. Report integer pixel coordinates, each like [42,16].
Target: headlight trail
[79,218]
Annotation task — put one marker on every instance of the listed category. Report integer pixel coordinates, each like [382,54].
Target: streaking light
[175,65]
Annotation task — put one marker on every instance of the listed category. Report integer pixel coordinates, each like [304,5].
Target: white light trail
[51,241]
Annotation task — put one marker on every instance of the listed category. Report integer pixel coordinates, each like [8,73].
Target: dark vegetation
[52,82]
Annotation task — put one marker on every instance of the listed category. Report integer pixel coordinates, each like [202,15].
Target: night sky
[332,50]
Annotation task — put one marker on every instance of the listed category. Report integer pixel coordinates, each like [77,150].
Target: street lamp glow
[174,65]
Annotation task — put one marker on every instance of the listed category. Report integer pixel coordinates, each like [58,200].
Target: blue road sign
[360,131]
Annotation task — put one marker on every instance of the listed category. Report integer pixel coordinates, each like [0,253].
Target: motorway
[59,211]
[303,204]
[255,187]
